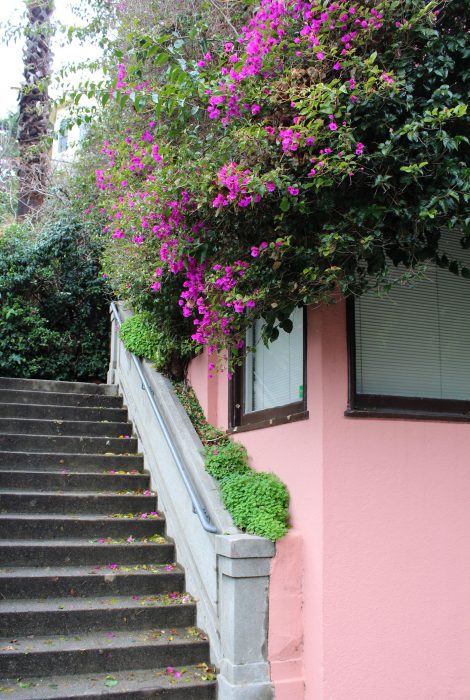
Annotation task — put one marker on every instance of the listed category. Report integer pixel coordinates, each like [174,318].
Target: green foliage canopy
[281,167]
[53,304]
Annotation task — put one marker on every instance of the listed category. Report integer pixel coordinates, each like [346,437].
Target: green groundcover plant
[257,501]
[167,352]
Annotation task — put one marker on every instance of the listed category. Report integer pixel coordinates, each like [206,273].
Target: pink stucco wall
[370,591]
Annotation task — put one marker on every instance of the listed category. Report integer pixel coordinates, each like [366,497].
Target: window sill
[403,414]
[269,422]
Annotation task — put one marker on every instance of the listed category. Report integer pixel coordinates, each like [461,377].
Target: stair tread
[83,685]
[58,405]
[74,494]
[111,639]
[60,437]
[57,479]
[53,605]
[87,517]
[67,472]
[57,462]
[77,542]
[56,398]
[82,455]
[28,420]
[50,384]
[53,572]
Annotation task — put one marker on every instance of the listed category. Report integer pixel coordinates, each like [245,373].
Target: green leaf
[287,325]
[111,681]
[285,204]
[160,59]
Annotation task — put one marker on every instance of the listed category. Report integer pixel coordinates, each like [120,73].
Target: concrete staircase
[92,603]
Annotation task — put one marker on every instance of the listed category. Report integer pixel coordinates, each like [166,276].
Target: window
[84,130]
[63,136]
[270,387]
[410,350]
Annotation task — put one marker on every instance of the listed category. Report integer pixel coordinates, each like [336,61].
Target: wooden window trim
[239,421]
[382,406]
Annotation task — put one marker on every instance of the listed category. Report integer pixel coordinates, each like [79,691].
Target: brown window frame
[239,421]
[384,406]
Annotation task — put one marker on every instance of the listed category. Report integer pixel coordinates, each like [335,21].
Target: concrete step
[58,525]
[74,615]
[34,426]
[59,399]
[87,653]
[66,461]
[79,552]
[51,412]
[71,552]
[64,443]
[71,481]
[191,682]
[49,385]
[89,590]
[20,500]
[87,581]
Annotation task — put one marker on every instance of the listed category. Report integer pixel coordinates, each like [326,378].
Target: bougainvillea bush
[288,159]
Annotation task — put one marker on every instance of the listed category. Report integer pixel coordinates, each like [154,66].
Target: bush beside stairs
[91,601]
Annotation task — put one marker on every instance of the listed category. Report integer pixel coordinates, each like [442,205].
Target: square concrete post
[243,564]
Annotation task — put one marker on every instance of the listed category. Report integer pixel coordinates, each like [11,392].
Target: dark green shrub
[54,320]
[258,503]
[225,459]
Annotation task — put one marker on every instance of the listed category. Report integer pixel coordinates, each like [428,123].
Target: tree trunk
[34,109]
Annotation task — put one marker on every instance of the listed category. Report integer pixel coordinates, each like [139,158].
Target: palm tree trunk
[34,109]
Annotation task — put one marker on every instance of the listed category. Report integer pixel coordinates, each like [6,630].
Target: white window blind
[415,341]
[63,137]
[274,374]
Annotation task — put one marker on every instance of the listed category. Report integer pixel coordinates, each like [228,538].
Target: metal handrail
[198,506]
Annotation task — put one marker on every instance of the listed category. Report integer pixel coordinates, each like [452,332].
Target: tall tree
[34,108]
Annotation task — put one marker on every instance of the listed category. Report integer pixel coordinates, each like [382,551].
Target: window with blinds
[63,136]
[415,341]
[274,375]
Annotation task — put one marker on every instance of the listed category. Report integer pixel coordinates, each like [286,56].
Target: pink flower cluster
[143,204]
[236,181]
[326,34]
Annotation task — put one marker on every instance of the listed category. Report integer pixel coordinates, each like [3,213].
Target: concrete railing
[227,573]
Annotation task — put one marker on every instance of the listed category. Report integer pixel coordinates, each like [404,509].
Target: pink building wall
[370,590]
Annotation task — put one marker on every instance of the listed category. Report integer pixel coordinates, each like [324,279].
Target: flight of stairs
[92,603]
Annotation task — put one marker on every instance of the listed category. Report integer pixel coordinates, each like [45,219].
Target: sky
[11,55]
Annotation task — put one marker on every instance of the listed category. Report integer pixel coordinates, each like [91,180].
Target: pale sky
[11,56]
